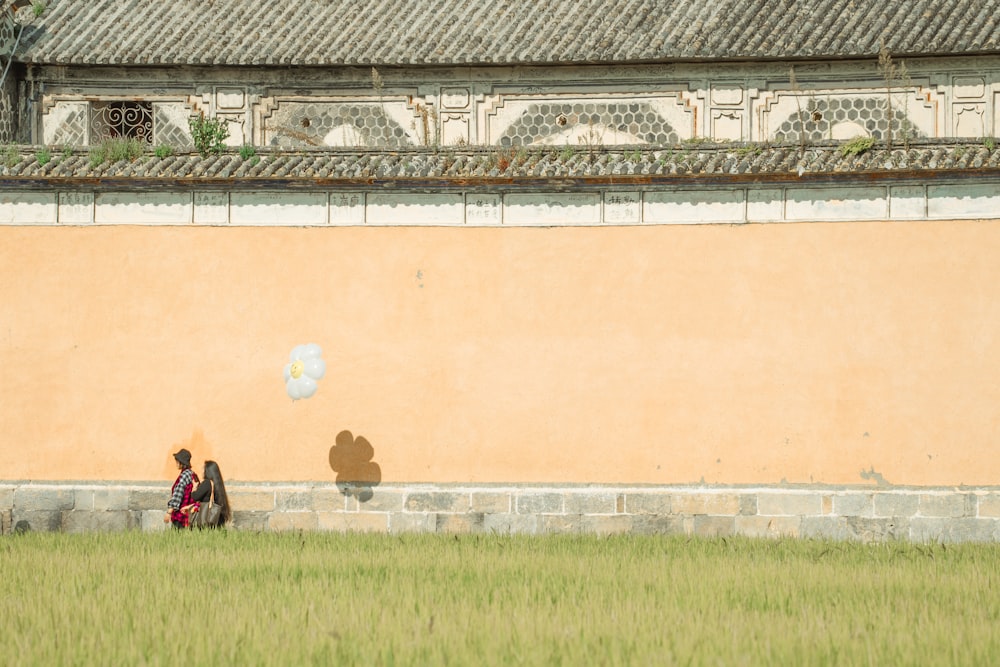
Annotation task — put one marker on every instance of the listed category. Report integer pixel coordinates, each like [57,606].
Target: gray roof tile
[463,32]
[706,163]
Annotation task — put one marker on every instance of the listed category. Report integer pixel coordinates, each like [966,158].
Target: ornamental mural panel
[830,116]
[326,123]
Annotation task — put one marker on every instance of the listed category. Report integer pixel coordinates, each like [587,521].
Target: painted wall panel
[267,208]
[690,206]
[147,207]
[806,353]
[28,207]
[836,204]
[974,199]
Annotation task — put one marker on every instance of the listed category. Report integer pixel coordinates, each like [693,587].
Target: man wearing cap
[180,494]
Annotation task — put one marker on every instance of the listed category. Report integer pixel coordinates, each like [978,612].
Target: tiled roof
[466,32]
[553,168]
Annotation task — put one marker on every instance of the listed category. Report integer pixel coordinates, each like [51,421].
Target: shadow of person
[351,459]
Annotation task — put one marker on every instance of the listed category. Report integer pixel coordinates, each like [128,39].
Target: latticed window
[121,120]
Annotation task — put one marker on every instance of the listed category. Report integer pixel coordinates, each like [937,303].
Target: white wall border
[652,205]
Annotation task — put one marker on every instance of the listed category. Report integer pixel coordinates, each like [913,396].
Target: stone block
[83,499]
[867,529]
[437,501]
[148,499]
[85,521]
[853,504]
[539,503]
[281,521]
[657,524]
[498,502]
[748,504]
[40,498]
[559,523]
[826,527]
[591,502]
[149,521]
[714,526]
[606,524]
[353,522]
[111,499]
[896,504]
[411,522]
[789,504]
[989,506]
[700,502]
[42,521]
[250,520]
[506,523]
[330,499]
[5,525]
[470,522]
[939,529]
[296,500]
[648,503]
[6,498]
[382,500]
[767,526]
[251,501]
[951,505]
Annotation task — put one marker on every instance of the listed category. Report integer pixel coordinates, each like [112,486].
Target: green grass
[243,598]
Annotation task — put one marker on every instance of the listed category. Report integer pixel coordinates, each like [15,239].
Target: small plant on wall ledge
[209,134]
[857,146]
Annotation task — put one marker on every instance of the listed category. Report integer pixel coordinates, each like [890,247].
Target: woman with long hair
[211,490]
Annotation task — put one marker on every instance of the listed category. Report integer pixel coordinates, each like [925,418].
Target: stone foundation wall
[864,514]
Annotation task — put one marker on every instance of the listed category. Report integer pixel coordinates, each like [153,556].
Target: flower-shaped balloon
[306,366]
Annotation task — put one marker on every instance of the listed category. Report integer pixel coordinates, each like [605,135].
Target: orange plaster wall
[729,354]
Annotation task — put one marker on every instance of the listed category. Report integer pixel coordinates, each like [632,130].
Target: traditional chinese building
[713,268]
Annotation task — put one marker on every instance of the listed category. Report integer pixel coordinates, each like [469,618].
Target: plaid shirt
[180,495]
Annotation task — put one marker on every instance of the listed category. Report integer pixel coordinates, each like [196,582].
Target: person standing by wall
[212,490]
[180,493]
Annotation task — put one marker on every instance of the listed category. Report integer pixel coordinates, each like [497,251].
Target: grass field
[241,598]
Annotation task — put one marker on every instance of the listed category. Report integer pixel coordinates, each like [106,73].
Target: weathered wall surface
[921,515]
[821,353]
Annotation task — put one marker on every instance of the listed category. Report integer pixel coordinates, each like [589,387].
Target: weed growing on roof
[857,146]
[10,156]
[38,8]
[793,83]
[209,134]
[890,72]
[43,156]
[163,151]
[116,150]
[749,150]
[247,151]
[990,143]
[67,152]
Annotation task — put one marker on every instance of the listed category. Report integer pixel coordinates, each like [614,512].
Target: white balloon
[315,368]
[288,372]
[292,388]
[306,386]
[310,351]
[296,353]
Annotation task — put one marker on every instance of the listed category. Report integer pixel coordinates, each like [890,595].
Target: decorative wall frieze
[774,203]
[575,105]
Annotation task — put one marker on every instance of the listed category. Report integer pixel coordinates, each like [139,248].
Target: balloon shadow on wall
[351,459]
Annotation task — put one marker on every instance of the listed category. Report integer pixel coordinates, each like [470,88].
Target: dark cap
[184,458]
